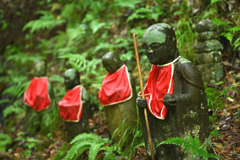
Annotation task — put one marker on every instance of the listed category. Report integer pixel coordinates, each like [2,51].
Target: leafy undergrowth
[226,142]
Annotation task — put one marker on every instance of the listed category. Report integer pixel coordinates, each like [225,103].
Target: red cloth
[116,87]
[70,107]
[36,94]
[159,83]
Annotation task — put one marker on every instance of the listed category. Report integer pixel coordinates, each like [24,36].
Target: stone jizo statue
[118,96]
[174,95]
[75,108]
[39,98]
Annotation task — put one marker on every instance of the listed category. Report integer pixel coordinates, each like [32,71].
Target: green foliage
[184,34]
[215,134]
[28,142]
[5,140]
[15,108]
[83,142]
[62,152]
[213,1]
[56,78]
[214,100]
[191,144]
[236,44]
[126,3]
[16,90]
[153,13]
[47,21]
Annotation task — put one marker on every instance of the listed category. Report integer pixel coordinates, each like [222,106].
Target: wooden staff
[142,91]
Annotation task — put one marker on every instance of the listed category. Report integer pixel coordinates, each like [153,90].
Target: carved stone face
[39,70]
[160,38]
[157,53]
[71,79]
[111,62]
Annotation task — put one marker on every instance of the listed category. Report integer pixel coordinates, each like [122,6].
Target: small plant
[47,21]
[86,141]
[27,142]
[5,140]
[192,144]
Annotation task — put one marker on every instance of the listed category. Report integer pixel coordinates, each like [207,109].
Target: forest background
[77,33]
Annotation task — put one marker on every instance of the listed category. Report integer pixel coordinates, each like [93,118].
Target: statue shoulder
[190,72]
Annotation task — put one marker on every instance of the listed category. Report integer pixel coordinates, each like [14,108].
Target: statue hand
[169,101]
[141,103]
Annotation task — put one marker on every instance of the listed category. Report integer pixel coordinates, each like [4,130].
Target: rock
[206,25]
[207,36]
[211,72]
[208,57]
[208,46]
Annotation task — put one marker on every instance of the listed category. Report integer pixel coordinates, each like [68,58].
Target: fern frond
[85,136]
[126,3]
[4,101]
[109,155]
[139,14]
[234,29]
[190,143]
[14,108]
[77,61]
[68,10]
[107,46]
[56,78]
[173,140]
[228,35]
[47,21]
[16,90]
[213,1]
[95,25]
[4,141]
[94,149]
[81,145]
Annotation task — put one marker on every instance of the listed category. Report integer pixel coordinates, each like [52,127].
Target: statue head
[161,42]
[111,62]
[71,78]
[40,69]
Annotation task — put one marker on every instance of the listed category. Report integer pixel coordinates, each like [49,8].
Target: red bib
[116,87]
[36,94]
[159,83]
[70,107]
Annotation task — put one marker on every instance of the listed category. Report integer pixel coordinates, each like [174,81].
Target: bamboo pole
[142,91]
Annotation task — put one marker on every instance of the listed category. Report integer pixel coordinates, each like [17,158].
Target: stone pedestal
[75,128]
[122,117]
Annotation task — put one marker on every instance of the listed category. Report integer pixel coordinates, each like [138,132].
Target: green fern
[4,101]
[192,144]
[16,108]
[140,13]
[56,78]
[77,61]
[47,21]
[4,141]
[109,155]
[96,25]
[213,1]
[16,90]
[83,142]
[106,46]
[126,3]
[211,12]
[236,44]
